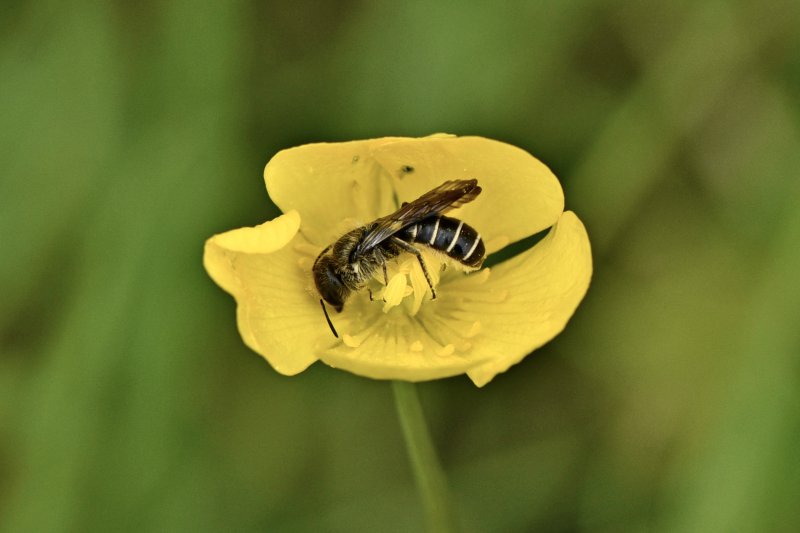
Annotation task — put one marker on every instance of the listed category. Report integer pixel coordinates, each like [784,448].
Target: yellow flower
[480,323]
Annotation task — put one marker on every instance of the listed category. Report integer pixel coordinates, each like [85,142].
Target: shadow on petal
[542,289]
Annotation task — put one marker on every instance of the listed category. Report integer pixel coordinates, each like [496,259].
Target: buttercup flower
[480,323]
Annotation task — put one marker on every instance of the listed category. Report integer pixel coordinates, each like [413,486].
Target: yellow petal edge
[275,314]
[521,196]
[544,287]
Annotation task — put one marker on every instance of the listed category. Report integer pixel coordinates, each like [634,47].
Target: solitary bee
[347,265]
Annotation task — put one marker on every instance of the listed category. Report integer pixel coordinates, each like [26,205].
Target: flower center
[444,329]
[407,284]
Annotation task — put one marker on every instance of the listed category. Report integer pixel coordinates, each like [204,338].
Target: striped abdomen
[449,236]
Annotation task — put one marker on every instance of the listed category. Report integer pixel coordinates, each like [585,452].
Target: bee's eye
[329,284]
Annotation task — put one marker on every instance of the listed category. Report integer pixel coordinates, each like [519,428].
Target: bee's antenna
[325,310]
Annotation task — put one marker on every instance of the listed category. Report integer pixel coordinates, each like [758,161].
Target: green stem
[431,482]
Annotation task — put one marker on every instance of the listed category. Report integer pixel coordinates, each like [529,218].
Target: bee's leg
[385,278]
[411,249]
[385,283]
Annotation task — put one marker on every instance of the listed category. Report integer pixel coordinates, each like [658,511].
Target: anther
[351,341]
[474,329]
[446,350]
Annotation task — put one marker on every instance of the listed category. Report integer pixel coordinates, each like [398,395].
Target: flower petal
[396,347]
[538,290]
[328,182]
[276,315]
[520,197]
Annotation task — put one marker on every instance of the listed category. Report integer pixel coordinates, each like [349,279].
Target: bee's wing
[449,195]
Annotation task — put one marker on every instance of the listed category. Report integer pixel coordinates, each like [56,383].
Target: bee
[349,263]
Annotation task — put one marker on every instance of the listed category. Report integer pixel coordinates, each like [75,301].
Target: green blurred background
[130,133]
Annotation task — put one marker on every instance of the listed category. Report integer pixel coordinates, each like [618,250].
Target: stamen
[446,350]
[354,341]
[474,329]
[407,279]
[394,292]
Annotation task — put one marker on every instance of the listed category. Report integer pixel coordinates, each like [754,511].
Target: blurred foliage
[131,132]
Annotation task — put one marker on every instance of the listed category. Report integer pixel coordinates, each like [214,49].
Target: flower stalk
[431,482]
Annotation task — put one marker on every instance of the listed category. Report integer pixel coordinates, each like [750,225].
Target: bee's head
[329,283]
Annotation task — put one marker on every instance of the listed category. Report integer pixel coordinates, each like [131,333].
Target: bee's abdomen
[450,236]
